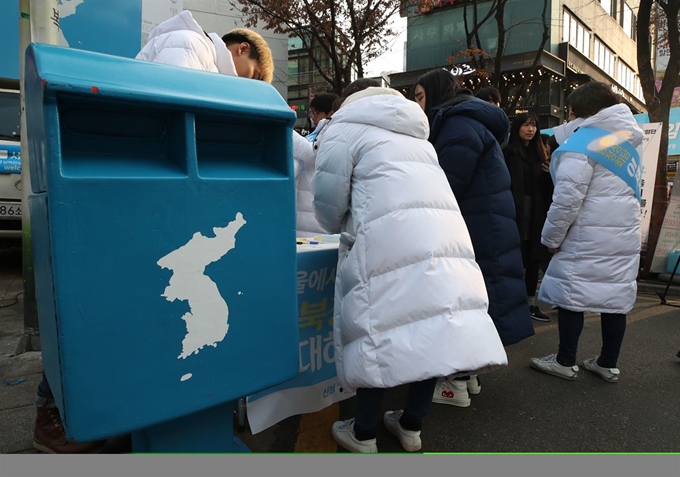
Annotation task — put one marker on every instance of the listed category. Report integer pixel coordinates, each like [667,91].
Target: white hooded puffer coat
[595,221]
[410,300]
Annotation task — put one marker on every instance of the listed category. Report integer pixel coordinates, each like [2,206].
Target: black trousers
[369,401]
[570,324]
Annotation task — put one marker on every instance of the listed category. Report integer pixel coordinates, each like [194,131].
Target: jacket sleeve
[332,179]
[572,179]
[178,56]
[303,155]
[458,153]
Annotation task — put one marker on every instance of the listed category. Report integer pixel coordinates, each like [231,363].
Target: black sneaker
[537,315]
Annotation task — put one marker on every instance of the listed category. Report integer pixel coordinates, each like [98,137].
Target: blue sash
[609,149]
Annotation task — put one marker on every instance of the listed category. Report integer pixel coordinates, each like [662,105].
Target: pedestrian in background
[493,96]
[466,133]
[549,144]
[410,301]
[532,189]
[321,108]
[490,95]
[593,229]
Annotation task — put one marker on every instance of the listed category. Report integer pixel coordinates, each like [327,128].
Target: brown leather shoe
[49,435]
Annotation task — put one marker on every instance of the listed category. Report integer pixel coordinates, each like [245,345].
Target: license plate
[10,209]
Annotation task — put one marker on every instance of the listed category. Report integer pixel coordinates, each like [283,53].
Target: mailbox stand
[205,431]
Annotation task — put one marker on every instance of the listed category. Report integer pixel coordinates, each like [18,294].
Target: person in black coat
[532,188]
[465,132]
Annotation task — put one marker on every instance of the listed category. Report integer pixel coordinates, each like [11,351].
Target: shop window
[604,58]
[626,77]
[628,20]
[607,5]
[576,34]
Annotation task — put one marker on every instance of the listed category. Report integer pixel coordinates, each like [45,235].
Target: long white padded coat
[410,300]
[594,220]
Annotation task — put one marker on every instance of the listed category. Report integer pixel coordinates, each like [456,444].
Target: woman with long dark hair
[532,188]
[466,132]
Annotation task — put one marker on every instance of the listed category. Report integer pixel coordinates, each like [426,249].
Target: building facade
[586,40]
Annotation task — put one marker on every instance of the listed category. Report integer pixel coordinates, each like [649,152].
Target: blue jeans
[369,401]
[570,324]
[44,397]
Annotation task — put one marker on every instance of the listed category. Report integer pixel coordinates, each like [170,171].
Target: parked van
[10,166]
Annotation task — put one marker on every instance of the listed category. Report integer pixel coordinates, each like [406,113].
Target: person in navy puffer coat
[466,133]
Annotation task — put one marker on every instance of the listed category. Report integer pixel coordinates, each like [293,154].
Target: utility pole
[38,22]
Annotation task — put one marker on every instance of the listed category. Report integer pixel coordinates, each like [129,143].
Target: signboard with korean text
[316,387]
[673,129]
[650,156]
[10,158]
[669,237]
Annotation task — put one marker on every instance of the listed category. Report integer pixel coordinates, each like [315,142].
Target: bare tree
[658,101]
[488,66]
[341,36]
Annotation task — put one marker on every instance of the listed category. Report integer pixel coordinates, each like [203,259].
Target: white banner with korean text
[316,386]
[649,152]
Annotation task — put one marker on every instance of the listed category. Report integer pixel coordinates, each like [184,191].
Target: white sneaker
[608,374]
[548,364]
[410,440]
[473,385]
[343,434]
[451,392]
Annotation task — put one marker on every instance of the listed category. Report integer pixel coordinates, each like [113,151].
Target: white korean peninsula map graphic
[207,322]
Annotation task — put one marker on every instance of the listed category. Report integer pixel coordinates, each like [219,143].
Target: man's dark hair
[490,95]
[354,87]
[592,97]
[440,86]
[323,102]
[359,85]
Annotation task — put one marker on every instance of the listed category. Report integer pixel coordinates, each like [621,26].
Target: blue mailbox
[163,229]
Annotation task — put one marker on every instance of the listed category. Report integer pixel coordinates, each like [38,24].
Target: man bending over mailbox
[180,41]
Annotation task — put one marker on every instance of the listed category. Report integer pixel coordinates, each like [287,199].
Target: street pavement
[518,410]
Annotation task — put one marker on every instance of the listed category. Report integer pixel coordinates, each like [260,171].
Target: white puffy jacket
[595,221]
[180,41]
[410,300]
[303,153]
